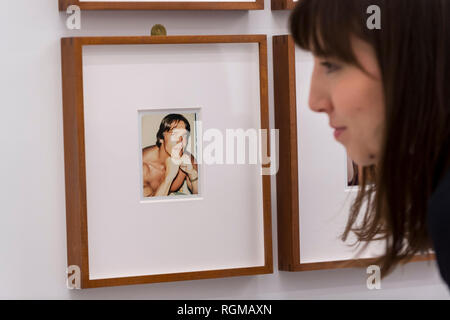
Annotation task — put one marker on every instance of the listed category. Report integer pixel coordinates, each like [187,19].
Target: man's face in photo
[176,139]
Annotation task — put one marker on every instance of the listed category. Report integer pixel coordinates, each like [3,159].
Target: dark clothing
[439,225]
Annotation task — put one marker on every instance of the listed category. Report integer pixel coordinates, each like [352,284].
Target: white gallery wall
[32,196]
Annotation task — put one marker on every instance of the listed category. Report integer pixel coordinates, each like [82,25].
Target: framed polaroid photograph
[163,5]
[154,131]
[169,134]
[283,4]
[316,182]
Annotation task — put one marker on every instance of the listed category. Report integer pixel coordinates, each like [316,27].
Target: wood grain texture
[286,122]
[351,263]
[86,41]
[288,215]
[74,156]
[283,4]
[210,5]
[264,101]
[75,166]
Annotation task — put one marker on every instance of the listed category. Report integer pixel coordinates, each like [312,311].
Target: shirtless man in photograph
[167,165]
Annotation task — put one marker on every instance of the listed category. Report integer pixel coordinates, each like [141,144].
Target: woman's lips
[338,132]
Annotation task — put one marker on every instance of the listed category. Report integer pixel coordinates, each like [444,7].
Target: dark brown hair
[412,49]
[168,123]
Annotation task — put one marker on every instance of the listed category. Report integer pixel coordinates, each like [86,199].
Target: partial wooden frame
[163,5]
[289,255]
[283,4]
[75,163]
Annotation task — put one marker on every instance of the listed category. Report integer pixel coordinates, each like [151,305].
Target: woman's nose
[318,104]
[319,95]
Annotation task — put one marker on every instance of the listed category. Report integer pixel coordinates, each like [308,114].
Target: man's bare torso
[154,172]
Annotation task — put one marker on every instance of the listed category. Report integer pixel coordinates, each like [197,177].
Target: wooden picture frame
[283,4]
[75,156]
[163,5]
[289,253]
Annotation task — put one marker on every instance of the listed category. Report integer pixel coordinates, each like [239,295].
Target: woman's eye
[330,67]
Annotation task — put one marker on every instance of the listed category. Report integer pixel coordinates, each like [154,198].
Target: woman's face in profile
[353,101]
